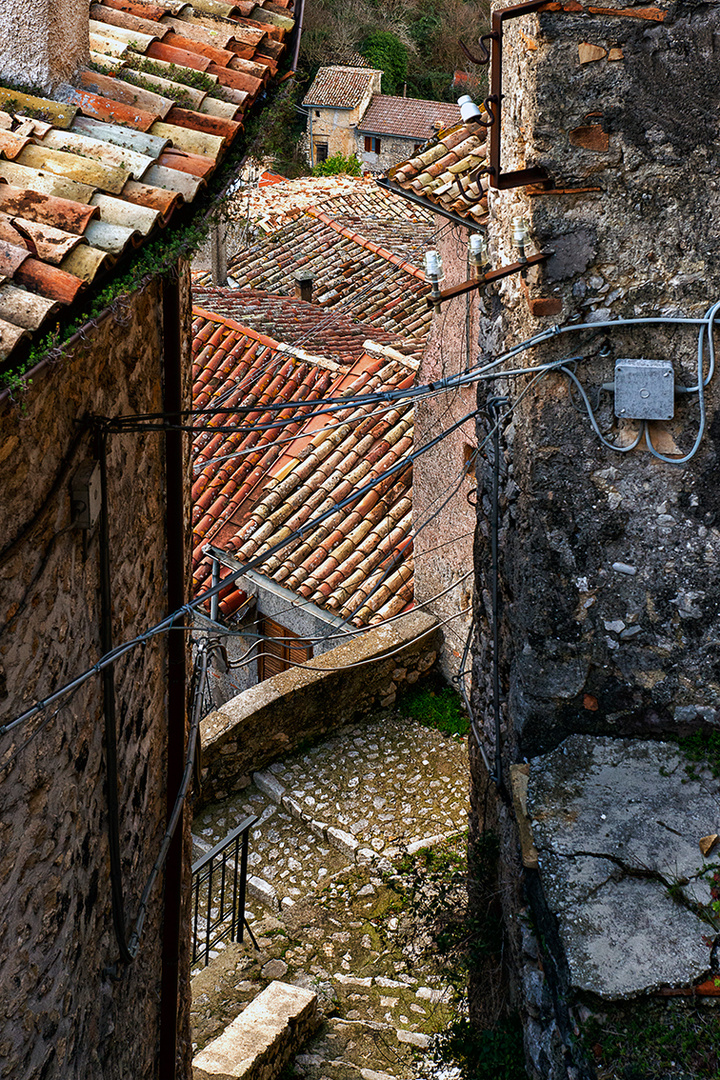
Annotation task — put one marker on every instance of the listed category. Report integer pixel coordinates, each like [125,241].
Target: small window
[321,151]
[317,112]
[372,144]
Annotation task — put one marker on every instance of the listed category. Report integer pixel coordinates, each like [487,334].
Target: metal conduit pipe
[109,712]
[177,688]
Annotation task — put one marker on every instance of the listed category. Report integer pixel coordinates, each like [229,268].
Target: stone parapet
[354,680]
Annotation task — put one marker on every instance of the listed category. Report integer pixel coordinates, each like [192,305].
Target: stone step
[374,793]
[286,860]
[259,1043]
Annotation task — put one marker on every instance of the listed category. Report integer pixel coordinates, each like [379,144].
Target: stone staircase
[327,910]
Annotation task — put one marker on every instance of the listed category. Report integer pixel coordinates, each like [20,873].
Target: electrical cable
[477,374]
[256,561]
[702,382]
[612,446]
[370,659]
[200,680]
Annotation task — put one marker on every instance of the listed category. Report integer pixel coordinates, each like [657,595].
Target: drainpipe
[177,675]
[298,35]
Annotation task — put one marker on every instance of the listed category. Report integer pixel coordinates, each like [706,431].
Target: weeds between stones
[661,1039]
[436,705]
[467,934]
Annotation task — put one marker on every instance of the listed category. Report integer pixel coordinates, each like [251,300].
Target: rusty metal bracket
[485,58]
[520,177]
[486,279]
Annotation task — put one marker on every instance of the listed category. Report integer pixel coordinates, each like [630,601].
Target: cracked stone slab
[616,821]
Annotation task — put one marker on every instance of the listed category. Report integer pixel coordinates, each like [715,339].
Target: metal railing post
[230,920]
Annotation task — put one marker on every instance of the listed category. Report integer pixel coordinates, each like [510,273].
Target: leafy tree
[386,52]
[333,166]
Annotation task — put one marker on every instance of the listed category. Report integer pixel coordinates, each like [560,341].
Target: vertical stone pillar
[42,43]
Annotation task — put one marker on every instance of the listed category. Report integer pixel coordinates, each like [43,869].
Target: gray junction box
[644,389]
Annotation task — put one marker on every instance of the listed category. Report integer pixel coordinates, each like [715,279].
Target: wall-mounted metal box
[85,494]
[644,389]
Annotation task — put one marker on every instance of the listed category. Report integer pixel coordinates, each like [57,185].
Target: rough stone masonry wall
[63,1014]
[43,42]
[621,107]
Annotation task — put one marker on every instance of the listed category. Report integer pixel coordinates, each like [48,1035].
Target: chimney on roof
[218,254]
[43,42]
[304,285]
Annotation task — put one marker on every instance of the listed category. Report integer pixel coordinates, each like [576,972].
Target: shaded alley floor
[326,903]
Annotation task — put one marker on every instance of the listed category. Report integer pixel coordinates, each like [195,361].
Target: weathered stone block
[343,841]
[262,1039]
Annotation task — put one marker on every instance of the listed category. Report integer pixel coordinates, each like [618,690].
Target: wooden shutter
[280,650]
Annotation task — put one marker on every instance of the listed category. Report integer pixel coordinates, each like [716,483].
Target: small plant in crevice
[436,705]
[701,749]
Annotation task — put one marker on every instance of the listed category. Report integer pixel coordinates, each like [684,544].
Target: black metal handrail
[218,870]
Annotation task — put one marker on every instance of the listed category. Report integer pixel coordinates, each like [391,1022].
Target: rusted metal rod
[487,279]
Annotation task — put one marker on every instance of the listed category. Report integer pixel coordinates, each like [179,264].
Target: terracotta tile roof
[338,87]
[409,118]
[233,364]
[447,174]
[354,275]
[358,563]
[402,227]
[351,200]
[84,179]
[301,324]
[268,207]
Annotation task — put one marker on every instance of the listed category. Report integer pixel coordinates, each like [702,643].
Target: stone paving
[327,909]
[365,793]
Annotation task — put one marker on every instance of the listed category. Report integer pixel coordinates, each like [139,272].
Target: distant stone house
[393,128]
[347,114]
[335,102]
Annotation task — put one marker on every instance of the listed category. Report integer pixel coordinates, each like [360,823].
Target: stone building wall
[444,484]
[67,1011]
[608,595]
[393,150]
[334,128]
